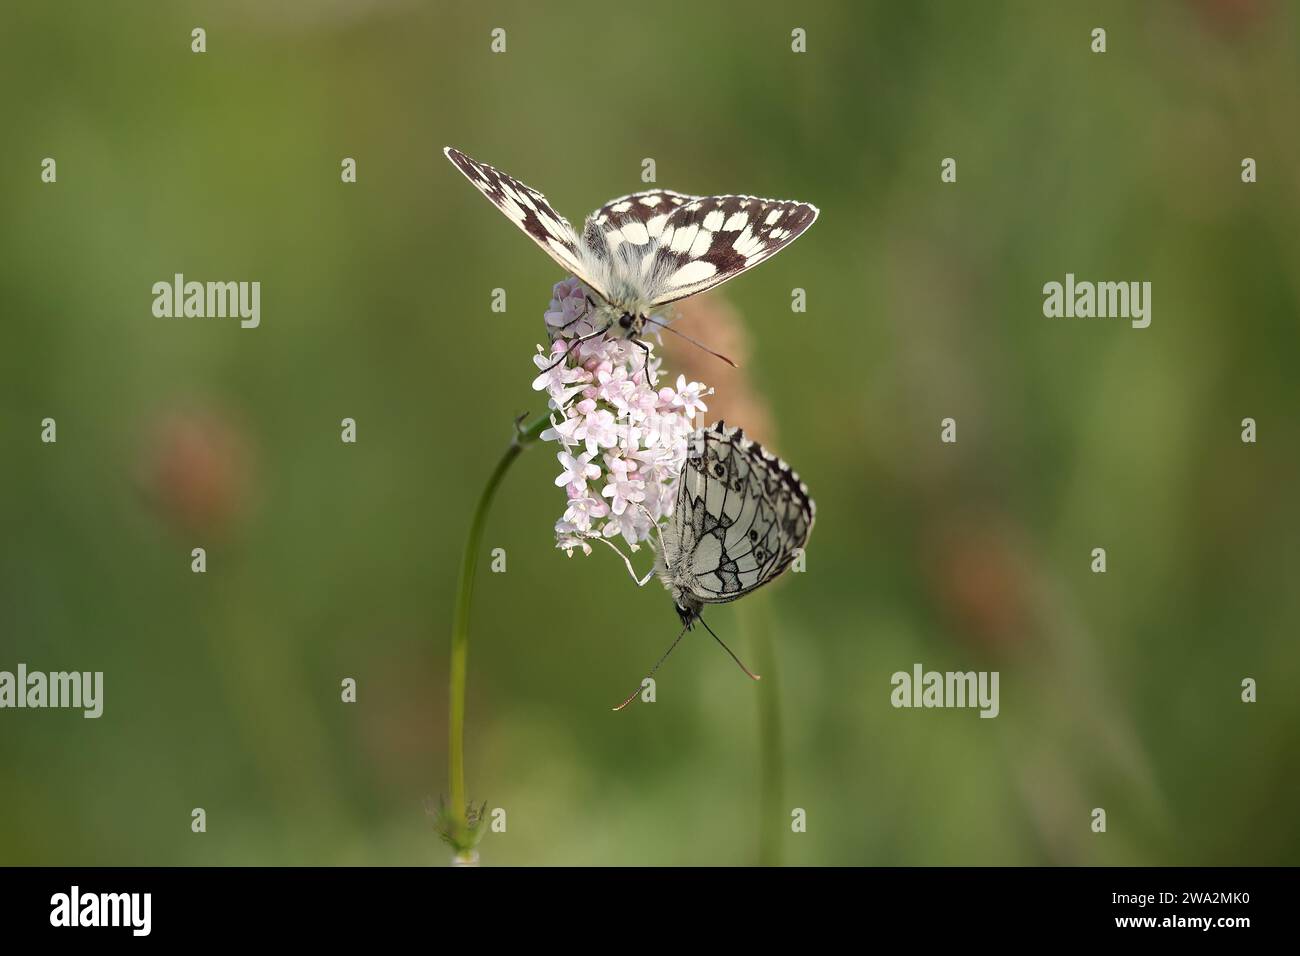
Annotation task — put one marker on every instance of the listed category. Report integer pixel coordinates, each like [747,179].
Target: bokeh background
[328,560]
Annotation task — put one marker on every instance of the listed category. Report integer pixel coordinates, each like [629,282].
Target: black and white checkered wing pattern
[635,220]
[708,240]
[741,514]
[529,210]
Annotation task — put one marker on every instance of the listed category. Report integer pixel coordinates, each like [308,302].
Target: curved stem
[460,835]
[772,799]
[771,749]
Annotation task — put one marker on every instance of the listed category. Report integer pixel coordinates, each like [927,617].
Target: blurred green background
[328,560]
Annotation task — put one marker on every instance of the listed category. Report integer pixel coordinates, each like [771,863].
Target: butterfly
[741,517]
[648,249]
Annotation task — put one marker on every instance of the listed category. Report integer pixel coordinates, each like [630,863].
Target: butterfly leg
[640,582]
[654,525]
[574,343]
[645,364]
[575,321]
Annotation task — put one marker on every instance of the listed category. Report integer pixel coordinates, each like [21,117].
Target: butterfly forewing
[529,210]
[708,240]
[637,219]
[741,514]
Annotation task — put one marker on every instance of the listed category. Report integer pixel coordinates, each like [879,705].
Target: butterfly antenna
[748,673]
[698,344]
[671,647]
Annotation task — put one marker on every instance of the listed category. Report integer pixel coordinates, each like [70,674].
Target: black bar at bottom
[332,905]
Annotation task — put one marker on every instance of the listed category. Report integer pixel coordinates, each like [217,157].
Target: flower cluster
[624,439]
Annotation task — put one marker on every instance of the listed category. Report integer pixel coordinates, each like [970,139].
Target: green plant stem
[771,747]
[459,810]
[769,718]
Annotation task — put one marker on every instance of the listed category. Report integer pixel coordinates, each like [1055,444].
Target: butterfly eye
[625,321]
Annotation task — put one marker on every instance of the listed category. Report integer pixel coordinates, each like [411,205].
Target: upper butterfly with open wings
[651,248]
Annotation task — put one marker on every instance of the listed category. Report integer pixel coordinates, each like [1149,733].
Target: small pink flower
[616,388]
[688,397]
[568,310]
[659,430]
[623,492]
[583,510]
[553,374]
[632,524]
[562,431]
[567,540]
[577,471]
[600,430]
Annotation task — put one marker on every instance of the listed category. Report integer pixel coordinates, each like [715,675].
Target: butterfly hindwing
[710,239]
[741,514]
[529,210]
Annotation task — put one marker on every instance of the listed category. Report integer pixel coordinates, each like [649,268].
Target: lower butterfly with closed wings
[648,249]
[741,517]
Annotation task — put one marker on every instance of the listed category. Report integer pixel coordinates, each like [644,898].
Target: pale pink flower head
[623,436]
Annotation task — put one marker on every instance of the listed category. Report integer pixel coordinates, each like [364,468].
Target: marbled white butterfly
[648,249]
[741,515]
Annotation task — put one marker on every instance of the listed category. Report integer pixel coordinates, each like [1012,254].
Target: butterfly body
[740,518]
[645,250]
